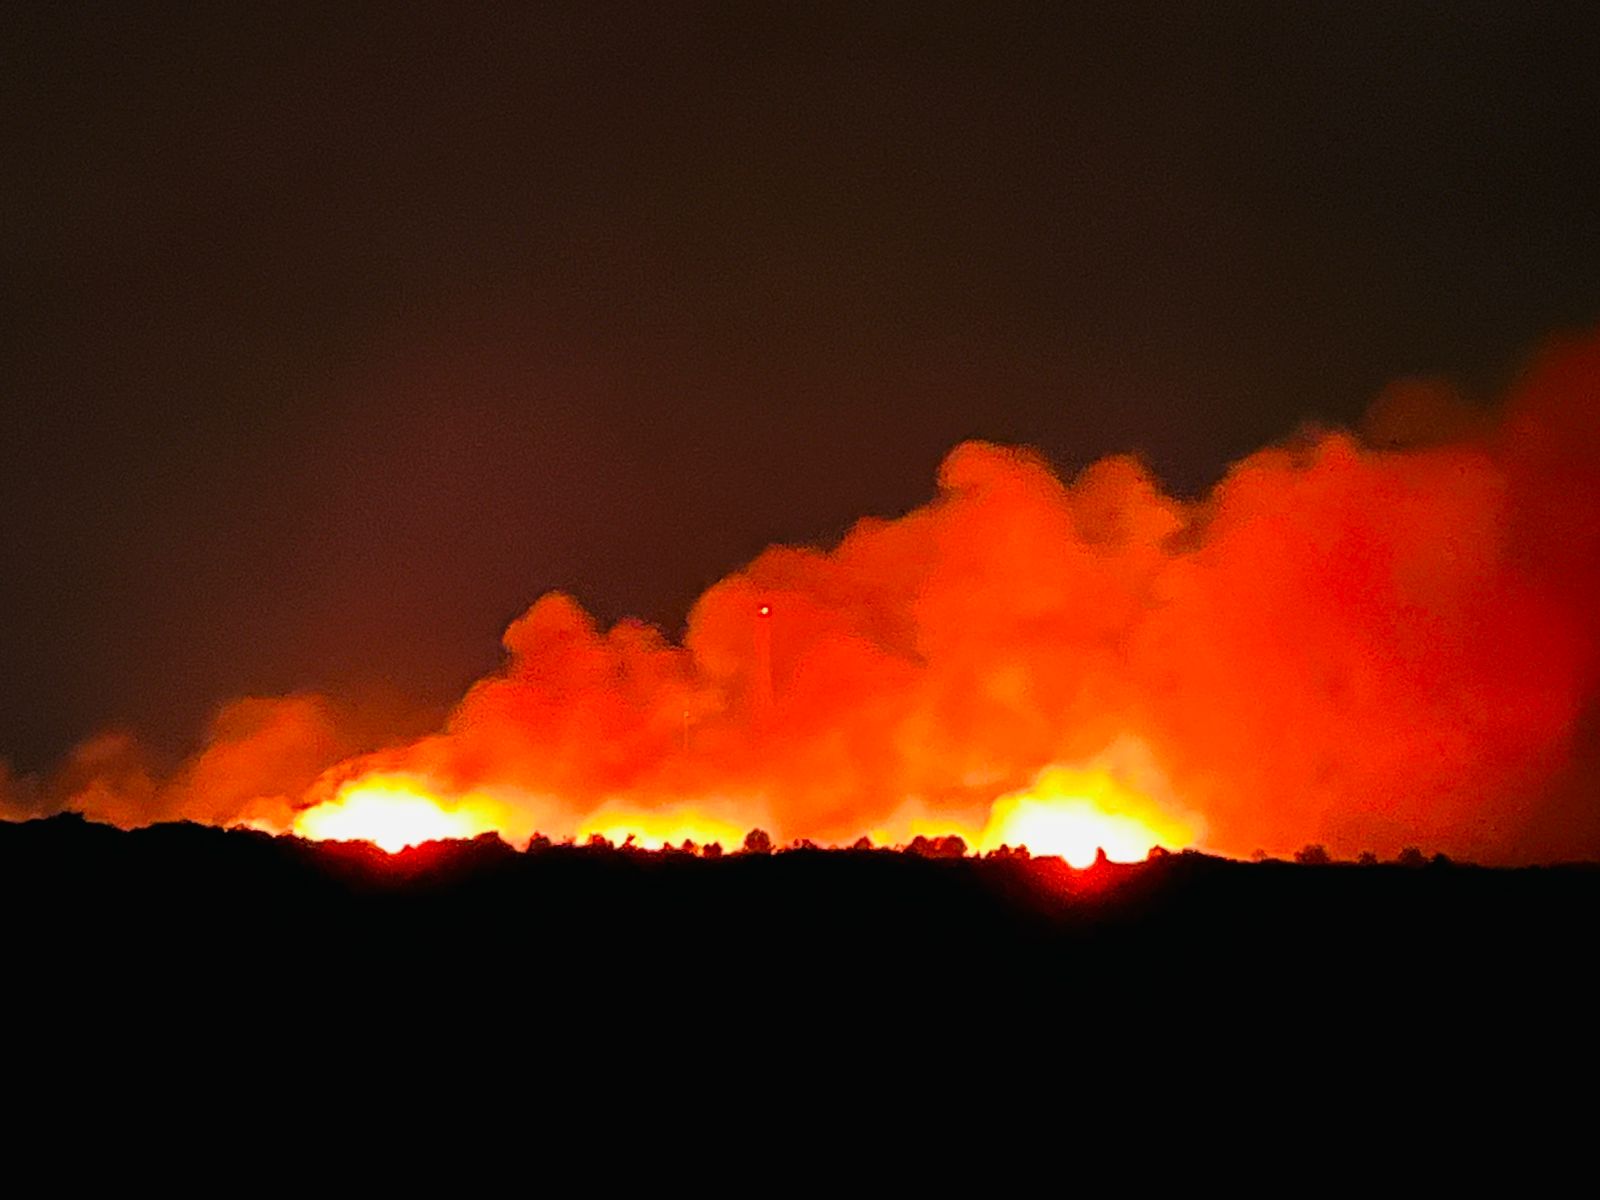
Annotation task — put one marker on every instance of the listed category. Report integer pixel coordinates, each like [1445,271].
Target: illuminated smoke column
[1368,641]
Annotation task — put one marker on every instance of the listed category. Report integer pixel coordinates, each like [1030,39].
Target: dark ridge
[250,931]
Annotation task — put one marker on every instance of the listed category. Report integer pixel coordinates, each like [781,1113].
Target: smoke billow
[1368,641]
[261,755]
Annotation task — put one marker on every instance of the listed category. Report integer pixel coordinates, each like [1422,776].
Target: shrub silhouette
[1008,851]
[949,846]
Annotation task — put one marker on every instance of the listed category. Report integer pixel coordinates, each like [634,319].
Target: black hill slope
[88,906]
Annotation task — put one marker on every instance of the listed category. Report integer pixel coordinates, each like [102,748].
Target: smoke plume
[1368,640]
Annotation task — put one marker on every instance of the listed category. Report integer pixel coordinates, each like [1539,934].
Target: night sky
[333,339]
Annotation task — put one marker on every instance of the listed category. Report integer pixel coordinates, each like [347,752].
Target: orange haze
[1366,640]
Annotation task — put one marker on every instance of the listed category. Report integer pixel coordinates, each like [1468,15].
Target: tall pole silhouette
[762,673]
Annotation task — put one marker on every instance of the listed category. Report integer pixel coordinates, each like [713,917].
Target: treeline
[89,897]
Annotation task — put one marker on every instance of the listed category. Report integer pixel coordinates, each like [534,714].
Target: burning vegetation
[1362,641]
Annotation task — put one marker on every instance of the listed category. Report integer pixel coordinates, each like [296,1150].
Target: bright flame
[391,813]
[652,830]
[1076,813]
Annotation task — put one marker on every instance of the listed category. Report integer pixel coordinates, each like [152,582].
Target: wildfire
[1368,640]
[1076,813]
[654,830]
[391,813]
[1073,812]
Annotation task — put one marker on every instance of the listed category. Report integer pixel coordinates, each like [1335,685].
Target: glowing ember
[390,813]
[1076,813]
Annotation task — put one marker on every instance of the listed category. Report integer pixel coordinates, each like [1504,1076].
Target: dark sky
[332,339]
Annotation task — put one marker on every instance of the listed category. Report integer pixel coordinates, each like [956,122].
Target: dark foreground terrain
[804,937]
[878,992]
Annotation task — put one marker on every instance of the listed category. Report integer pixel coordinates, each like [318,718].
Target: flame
[1076,813]
[653,830]
[1366,641]
[1069,811]
[391,813]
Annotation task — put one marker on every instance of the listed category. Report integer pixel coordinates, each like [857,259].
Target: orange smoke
[1364,641]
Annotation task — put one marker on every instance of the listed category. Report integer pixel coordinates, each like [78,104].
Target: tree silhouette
[950,846]
[1411,857]
[758,841]
[1313,854]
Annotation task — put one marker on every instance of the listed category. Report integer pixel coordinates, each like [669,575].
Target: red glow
[1363,646]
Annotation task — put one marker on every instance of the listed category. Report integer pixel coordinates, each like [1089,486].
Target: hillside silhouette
[879,993]
[92,908]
